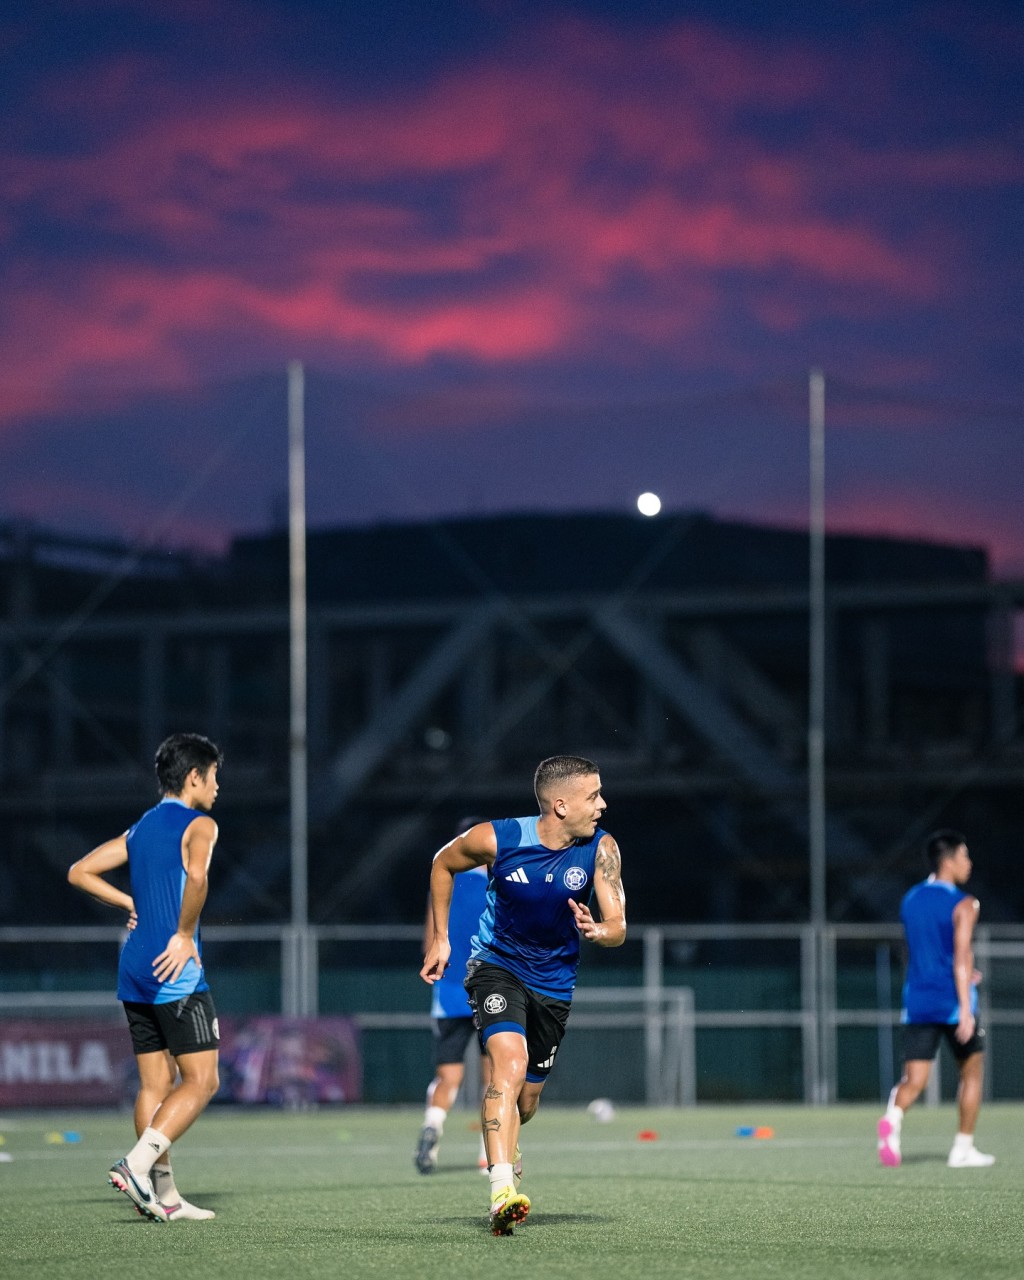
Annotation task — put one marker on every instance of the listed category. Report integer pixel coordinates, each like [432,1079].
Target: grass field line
[346,1149]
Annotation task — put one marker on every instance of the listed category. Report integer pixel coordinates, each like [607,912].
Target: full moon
[648,504]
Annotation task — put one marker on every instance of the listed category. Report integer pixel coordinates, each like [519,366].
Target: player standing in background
[940,998]
[161,981]
[522,972]
[450,1011]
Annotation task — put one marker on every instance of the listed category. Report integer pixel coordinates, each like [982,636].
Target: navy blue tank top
[929,993]
[528,927]
[158,882]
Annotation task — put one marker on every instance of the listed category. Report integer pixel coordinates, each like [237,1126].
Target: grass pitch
[334,1193]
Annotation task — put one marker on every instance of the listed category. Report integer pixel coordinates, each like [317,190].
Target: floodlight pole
[816,702]
[299,989]
[817,848]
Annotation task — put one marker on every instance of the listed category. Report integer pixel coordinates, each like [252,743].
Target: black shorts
[921,1041]
[451,1036]
[180,1027]
[502,1003]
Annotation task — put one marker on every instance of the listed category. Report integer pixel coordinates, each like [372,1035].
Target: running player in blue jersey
[450,1011]
[522,971]
[940,998]
[161,980]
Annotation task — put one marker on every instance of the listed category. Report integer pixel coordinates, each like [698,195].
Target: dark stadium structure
[446,659]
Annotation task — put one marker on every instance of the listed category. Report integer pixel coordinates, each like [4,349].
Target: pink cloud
[886,509]
[580,160]
[980,164]
[978,523]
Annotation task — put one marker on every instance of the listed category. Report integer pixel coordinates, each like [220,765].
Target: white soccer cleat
[174,1203]
[183,1211]
[138,1189]
[969,1158]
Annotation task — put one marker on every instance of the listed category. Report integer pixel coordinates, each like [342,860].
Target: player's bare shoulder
[480,843]
[199,838]
[965,916]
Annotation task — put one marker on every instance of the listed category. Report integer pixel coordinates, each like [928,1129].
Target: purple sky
[535,256]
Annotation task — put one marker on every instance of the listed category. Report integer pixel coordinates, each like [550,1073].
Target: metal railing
[668,1013]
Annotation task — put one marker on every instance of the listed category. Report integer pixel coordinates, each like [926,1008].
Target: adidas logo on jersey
[519,876]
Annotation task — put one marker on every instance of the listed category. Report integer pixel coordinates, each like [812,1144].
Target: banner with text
[290,1062]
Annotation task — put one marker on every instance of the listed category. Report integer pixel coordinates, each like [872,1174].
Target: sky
[532,256]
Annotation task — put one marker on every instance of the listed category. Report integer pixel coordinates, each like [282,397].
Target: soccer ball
[601,1110]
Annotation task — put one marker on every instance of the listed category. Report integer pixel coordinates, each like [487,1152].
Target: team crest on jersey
[495,1003]
[575,878]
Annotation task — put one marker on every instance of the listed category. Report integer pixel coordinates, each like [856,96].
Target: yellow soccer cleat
[508,1209]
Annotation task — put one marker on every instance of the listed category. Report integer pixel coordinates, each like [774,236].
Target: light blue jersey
[158,883]
[929,993]
[469,896]
[528,927]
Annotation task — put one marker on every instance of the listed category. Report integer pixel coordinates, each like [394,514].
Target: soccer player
[161,980]
[522,971]
[940,998]
[450,1010]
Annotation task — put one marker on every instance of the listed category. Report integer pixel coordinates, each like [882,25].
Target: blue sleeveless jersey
[929,993]
[528,927]
[469,896]
[158,882]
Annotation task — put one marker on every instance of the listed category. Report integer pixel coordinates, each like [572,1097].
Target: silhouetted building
[446,658]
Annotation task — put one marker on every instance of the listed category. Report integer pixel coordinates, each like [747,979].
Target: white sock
[501,1177]
[895,1114]
[963,1142]
[162,1176]
[149,1148]
[434,1118]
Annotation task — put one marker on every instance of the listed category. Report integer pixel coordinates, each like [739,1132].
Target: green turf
[334,1193]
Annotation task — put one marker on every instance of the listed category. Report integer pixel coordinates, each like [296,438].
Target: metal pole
[810,1007]
[654,1003]
[883,998]
[816,730]
[816,701]
[299,988]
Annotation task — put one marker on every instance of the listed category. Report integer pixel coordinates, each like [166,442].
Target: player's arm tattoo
[609,863]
